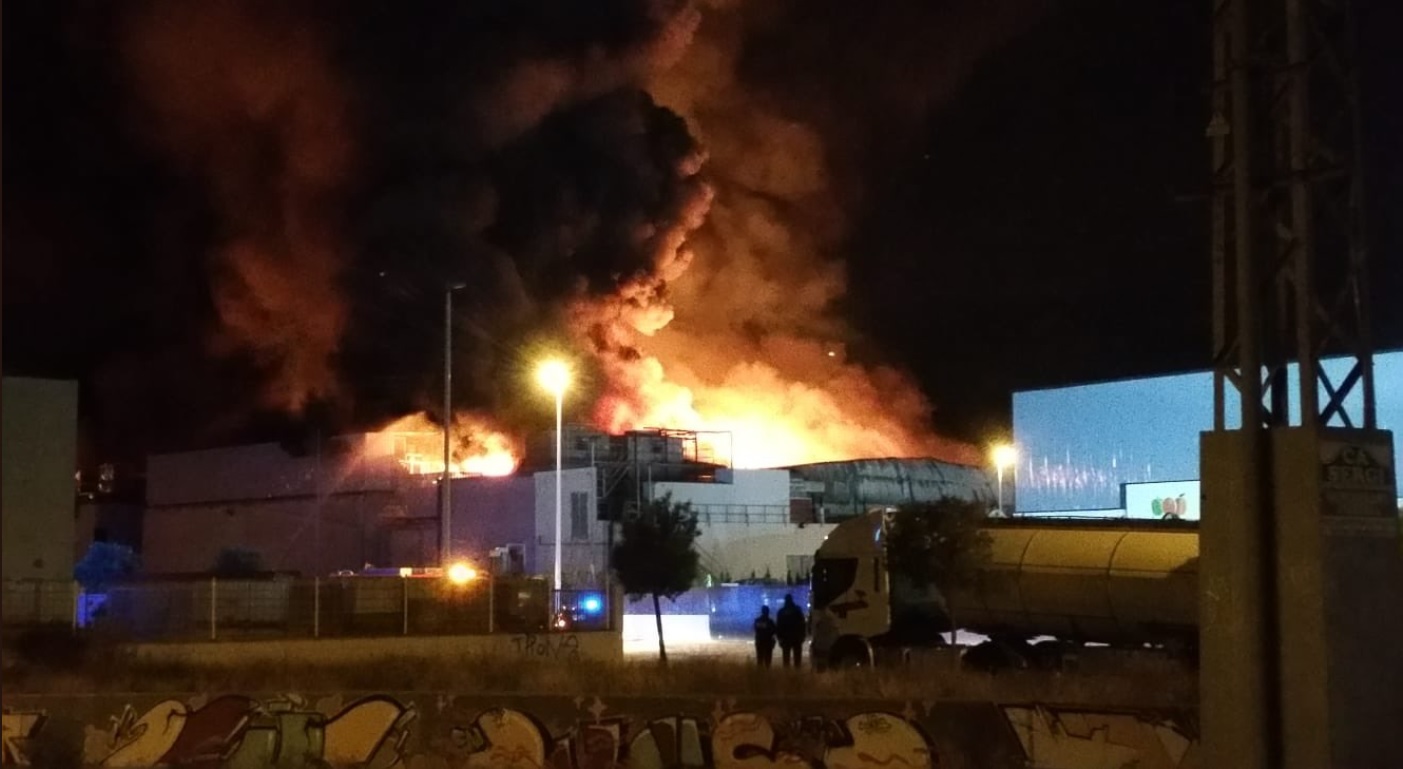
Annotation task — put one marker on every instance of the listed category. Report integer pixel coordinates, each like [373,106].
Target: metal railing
[751,514]
[338,607]
[40,602]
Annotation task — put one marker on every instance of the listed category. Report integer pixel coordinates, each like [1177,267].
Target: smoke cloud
[758,347]
[240,95]
[643,180]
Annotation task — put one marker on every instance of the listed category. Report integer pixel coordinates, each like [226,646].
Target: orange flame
[774,420]
[750,363]
[475,446]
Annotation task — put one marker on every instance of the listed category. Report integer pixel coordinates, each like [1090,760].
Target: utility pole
[1301,568]
[445,485]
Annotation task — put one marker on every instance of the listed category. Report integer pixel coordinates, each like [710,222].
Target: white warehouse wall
[745,526]
[739,550]
[583,557]
[748,487]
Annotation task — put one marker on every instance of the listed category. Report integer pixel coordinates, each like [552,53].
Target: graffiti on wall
[16,728]
[386,732]
[561,647]
[510,739]
[234,732]
[1059,738]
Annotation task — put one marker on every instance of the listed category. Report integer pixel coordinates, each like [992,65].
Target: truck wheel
[849,653]
[1048,655]
[993,656]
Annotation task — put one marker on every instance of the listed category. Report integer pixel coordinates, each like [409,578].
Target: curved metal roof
[851,488]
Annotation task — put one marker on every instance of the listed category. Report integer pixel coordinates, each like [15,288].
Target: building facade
[337,508]
[38,459]
[362,501]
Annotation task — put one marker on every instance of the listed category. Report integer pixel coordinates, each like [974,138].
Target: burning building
[375,500]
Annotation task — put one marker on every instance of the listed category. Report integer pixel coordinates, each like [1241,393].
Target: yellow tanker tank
[1110,582]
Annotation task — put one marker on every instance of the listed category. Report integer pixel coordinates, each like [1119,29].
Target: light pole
[1003,455]
[554,376]
[445,493]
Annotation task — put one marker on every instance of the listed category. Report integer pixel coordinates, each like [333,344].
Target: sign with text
[1174,500]
[1358,489]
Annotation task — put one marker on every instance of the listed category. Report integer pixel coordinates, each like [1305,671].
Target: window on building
[579,515]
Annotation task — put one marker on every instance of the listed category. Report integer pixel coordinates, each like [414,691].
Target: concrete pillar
[1301,587]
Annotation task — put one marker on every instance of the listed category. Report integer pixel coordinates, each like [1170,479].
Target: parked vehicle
[1049,586]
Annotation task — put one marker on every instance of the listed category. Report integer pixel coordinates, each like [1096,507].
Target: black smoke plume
[359,158]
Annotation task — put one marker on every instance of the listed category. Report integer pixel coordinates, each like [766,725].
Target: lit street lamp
[554,376]
[445,511]
[1003,455]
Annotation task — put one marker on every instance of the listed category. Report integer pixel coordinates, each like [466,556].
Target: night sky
[1020,185]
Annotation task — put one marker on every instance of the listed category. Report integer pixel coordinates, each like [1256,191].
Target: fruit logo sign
[1162,500]
[1176,508]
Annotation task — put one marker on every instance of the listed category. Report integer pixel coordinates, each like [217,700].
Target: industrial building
[357,501]
[38,457]
[1130,448]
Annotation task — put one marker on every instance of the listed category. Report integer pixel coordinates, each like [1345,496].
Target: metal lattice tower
[1290,279]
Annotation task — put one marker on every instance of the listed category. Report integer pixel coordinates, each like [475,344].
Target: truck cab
[860,612]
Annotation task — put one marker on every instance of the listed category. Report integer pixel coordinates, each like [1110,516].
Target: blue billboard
[1078,445]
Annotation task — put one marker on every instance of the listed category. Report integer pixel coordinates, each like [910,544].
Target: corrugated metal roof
[853,487]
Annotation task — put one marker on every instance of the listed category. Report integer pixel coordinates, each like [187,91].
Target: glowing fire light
[773,420]
[477,447]
[461,574]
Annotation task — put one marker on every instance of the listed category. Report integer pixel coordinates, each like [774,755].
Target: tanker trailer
[1112,582]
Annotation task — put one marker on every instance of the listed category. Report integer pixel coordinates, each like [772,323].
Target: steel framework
[1290,264]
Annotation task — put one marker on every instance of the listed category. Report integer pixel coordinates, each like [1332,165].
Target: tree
[656,555]
[103,564]
[941,543]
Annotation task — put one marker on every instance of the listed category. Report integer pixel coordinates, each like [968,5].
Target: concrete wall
[189,537]
[584,559]
[745,525]
[38,459]
[581,730]
[571,647]
[677,629]
[492,512]
[260,498]
[748,487]
[116,522]
[738,550]
[267,471]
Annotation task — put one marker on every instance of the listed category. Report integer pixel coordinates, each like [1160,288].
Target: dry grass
[105,670]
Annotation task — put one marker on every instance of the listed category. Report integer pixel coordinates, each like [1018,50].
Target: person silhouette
[764,637]
[792,629]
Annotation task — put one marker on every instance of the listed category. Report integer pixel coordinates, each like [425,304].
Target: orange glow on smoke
[476,447]
[768,393]
[767,419]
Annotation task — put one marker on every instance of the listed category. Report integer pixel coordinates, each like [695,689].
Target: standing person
[792,630]
[764,637]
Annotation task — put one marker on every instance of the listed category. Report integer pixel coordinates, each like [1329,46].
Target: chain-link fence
[26,602]
[221,608]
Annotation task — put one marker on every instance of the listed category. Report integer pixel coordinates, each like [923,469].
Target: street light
[554,376]
[1003,455]
[445,511]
